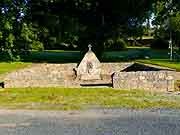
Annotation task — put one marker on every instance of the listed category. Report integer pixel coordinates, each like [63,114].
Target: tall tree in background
[167,19]
[93,21]
[25,23]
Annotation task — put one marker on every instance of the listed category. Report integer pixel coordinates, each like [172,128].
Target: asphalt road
[91,122]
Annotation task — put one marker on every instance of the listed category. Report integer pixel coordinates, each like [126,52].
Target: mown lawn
[83,98]
[163,62]
[8,67]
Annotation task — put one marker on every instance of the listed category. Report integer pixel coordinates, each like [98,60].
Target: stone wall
[40,75]
[63,75]
[53,75]
[110,68]
[147,80]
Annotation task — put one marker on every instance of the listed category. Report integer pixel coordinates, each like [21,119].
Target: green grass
[62,56]
[163,62]
[53,56]
[8,67]
[134,53]
[83,98]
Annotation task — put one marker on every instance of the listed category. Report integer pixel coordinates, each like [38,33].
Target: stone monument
[90,67]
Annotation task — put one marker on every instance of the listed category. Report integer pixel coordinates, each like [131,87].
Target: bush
[108,43]
[120,44]
[98,49]
[160,44]
[9,56]
[177,85]
[115,45]
[37,45]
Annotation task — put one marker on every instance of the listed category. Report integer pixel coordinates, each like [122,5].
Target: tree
[167,19]
[16,33]
[93,21]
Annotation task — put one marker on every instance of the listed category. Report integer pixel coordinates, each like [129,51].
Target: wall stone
[147,80]
[40,75]
[110,68]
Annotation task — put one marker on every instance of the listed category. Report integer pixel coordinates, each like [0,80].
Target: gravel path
[92,122]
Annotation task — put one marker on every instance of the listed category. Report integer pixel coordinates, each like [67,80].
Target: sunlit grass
[8,67]
[163,62]
[83,98]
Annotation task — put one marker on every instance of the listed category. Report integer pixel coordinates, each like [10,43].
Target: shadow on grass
[60,56]
[49,57]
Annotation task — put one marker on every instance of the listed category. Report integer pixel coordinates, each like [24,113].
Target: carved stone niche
[89,68]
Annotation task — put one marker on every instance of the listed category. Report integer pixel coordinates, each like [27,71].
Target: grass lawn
[162,62]
[61,56]
[83,98]
[8,67]
[54,56]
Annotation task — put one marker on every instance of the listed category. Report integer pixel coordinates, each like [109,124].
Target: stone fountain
[90,67]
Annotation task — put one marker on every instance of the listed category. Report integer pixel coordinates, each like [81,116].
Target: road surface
[91,122]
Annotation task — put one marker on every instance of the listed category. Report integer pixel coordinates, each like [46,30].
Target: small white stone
[141,77]
[169,78]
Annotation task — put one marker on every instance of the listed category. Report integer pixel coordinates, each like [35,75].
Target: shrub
[120,44]
[37,45]
[108,43]
[98,49]
[177,85]
[160,44]
[115,45]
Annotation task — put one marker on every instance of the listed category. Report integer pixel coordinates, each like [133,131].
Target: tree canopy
[54,24]
[167,19]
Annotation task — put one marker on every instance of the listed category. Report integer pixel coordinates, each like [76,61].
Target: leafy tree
[16,32]
[92,21]
[167,19]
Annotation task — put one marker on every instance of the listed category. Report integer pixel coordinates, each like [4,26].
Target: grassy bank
[8,67]
[72,99]
[162,62]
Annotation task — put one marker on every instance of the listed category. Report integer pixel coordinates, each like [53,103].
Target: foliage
[77,23]
[72,40]
[117,44]
[108,43]
[16,31]
[37,45]
[160,43]
[175,22]
[167,18]
[177,85]
[93,21]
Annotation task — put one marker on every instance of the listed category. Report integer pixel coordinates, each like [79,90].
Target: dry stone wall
[40,75]
[110,68]
[53,75]
[63,75]
[147,80]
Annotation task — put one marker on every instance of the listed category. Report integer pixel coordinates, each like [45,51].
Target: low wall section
[53,75]
[63,75]
[147,80]
[39,75]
